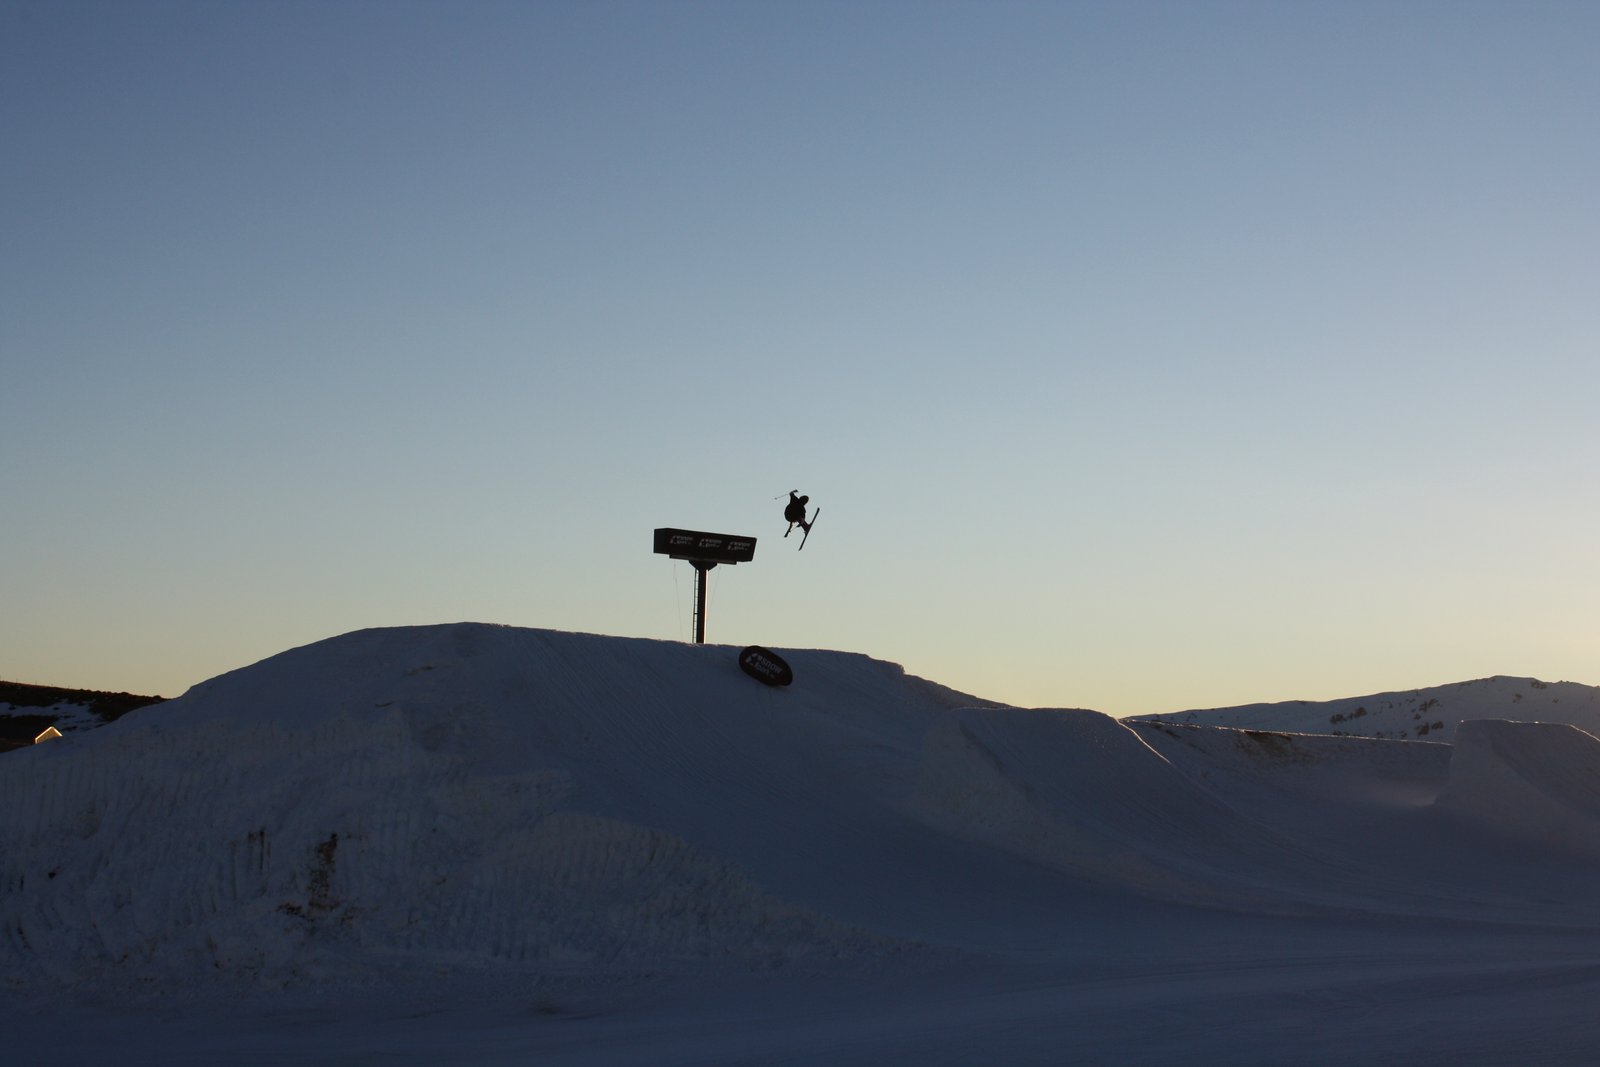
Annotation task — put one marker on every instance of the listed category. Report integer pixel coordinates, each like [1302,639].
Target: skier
[796,512]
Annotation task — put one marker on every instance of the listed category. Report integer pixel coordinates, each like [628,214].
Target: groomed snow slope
[490,798]
[478,844]
[446,794]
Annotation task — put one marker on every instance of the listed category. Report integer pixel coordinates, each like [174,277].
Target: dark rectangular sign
[704,547]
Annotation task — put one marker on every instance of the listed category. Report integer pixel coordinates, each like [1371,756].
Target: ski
[810,524]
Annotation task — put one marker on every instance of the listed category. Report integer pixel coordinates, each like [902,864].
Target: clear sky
[1141,356]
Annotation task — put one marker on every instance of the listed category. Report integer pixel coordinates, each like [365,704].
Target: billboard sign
[698,547]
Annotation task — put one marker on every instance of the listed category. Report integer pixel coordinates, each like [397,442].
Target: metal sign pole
[700,570]
[702,551]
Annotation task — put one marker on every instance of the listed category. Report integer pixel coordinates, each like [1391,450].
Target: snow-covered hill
[1430,714]
[684,865]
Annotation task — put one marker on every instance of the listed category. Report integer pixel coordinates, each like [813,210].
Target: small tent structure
[50,734]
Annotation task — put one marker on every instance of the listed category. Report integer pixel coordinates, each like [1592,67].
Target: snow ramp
[1081,792]
[1538,782]
[469,794]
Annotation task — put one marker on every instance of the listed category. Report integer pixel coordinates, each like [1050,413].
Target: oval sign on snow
[765,665]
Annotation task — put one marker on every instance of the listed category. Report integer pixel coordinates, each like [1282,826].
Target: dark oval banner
[765,665]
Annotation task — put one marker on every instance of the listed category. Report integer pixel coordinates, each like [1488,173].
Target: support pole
[700,570]
[702,551]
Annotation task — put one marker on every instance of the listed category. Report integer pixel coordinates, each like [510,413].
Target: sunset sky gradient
[1142,356]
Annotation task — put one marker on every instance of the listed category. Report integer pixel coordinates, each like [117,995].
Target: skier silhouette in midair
[795,512]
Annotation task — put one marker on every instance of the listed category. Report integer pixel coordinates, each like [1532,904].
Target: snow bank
[419,796]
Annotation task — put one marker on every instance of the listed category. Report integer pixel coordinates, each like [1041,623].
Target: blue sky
[1143,356]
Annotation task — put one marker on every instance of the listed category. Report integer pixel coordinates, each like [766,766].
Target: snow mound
[1537,781]
[421,796]
[501,801]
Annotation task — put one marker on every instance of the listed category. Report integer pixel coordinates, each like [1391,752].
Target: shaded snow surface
[482,844]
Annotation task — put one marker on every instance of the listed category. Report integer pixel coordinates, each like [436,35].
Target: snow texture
[564,848]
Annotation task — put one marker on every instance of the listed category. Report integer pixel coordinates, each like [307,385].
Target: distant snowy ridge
[410,801]
[1431,714]
[25,710]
